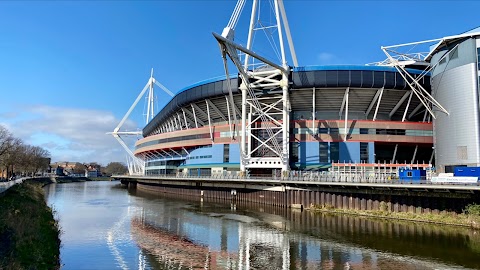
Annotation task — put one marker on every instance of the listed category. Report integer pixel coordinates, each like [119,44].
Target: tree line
[19,158]
[113,168]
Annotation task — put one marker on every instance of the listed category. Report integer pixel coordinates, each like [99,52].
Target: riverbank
[29,234]
[67,179]
[470,217]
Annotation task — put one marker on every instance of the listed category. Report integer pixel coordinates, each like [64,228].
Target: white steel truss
[136,165]
[427,100]
[402,55]
[265,136]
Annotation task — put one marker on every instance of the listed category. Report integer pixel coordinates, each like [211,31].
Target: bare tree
[12,156]
[39,159]
[5,140]
[17,157]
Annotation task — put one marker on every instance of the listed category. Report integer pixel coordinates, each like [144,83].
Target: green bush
[472,210]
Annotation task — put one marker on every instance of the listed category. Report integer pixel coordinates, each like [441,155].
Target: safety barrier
[324,177]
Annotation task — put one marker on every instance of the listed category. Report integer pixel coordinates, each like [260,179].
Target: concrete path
[6,185]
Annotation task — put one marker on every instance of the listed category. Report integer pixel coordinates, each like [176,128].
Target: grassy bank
[470,217]
[29,235]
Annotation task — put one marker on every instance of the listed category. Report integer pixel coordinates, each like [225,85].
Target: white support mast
[136,165]
[265,84]
[414,56]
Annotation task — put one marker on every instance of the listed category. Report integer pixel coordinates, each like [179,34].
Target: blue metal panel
[234,155]
[216,153]
[308,153]
[467,171]
[207,81]
[349,152]
[410,174]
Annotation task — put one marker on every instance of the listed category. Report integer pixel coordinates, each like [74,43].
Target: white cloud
[72,134]
[326,58]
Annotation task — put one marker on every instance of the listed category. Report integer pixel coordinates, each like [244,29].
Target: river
[105,226]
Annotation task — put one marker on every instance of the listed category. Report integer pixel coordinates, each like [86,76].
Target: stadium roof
[334,76]
[446,41]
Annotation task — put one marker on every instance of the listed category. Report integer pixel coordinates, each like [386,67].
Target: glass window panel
[334,151]
[354,131]
[454,54]
[323,130]
[364,152]
[323,150]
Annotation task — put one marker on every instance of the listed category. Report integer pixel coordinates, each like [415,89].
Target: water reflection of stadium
[213,237]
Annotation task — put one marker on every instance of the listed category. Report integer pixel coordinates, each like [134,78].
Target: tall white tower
[265,84]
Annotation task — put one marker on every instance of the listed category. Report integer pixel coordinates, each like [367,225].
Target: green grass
[29,234]
[465,219]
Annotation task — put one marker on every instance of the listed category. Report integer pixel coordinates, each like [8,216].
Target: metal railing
[324,177]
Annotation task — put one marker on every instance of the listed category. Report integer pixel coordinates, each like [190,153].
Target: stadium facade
[195,134]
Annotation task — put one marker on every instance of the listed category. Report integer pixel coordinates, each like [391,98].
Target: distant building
[93,173]
[58,171]
[63,167]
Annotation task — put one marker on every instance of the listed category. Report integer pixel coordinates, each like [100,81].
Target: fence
[326,177]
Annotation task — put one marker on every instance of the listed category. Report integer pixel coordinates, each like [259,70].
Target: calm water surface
[108,227]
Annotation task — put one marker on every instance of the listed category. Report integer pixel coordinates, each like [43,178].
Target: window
[323,130]
[364,131]
[294,152]
[454,54]
[323,152]
[478,58]
[334,151]
[364,152]
[226,153]
[409,174]
[443,61]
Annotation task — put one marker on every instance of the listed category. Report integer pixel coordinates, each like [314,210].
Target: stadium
[273,118]
[384,123]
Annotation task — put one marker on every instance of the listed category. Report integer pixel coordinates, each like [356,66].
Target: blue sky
[70,70]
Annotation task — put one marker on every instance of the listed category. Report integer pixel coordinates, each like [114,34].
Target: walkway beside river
[6,185]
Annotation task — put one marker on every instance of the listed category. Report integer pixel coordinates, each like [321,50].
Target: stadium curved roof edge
[447,41]
[302,77]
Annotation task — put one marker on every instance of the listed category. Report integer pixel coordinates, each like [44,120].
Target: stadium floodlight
[260,75]
[136,166]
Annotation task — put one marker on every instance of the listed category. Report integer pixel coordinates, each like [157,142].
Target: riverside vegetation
[29,234]
[469,218]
